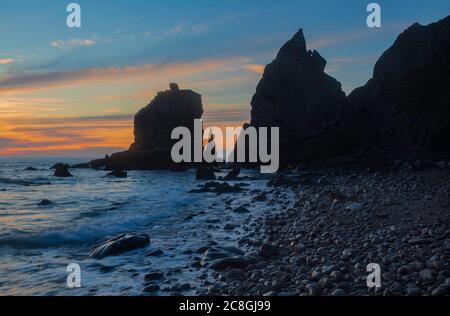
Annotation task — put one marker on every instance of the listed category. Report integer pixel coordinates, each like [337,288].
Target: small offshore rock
[118,174]
[45,202]
[205,173]
[62,171]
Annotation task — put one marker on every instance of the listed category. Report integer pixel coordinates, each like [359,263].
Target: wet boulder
[205,173]
[119,245]
[233,174]
[118,174]
[238,262]
[62,171]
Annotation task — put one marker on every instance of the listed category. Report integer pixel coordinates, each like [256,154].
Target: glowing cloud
[73,43]
[7,61]
[256,68]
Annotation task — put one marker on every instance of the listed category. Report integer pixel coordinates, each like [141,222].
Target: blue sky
[128,50]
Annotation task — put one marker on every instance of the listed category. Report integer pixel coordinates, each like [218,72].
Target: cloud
[74,42]
[25,82]
[176,30]
[32,136]
[16,107]
[337,39]
[226,114]
[7,61]
[338,63]
[256,68]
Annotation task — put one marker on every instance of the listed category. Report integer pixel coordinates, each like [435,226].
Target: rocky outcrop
[404,110]
[296,95]
[405,107]
[153,126]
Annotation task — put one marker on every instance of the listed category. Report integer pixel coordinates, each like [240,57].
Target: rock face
[404,110]
[153,126]
[406,105]
[296,95]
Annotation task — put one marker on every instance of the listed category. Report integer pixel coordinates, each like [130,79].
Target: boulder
[59,164]
[205,173]
[45,202]
[62,171]
[267,251]
[219,188]
[118,174]
[120,244]
[220,252]
[233,174]
[238,262]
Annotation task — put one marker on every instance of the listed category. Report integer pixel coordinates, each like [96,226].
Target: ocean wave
[25,183]
[84,234]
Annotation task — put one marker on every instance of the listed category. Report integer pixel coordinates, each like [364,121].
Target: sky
[74,91]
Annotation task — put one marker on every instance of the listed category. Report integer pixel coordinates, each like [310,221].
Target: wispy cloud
[256,68]
[227,113]
[176,30]
[25,82]
[7,61]
[338,63]
[336,39]
[74,42]
[31,136]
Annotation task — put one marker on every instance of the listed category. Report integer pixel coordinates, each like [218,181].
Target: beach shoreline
[343,220]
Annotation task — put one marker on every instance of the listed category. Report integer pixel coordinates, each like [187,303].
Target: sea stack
[296,95]
[153,126]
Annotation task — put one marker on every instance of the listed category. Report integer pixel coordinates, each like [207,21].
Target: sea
[37,243]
